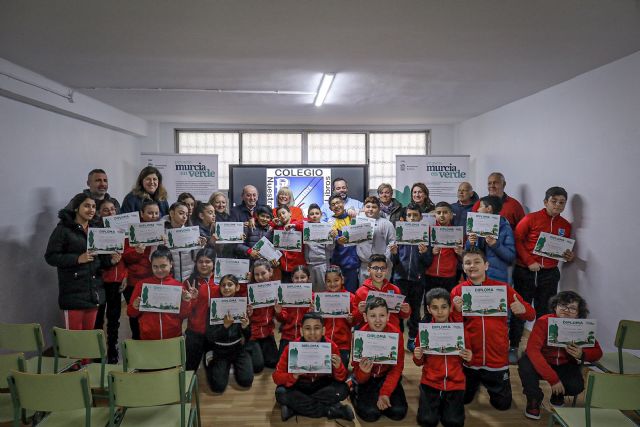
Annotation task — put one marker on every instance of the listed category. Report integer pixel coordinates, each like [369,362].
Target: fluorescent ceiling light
[323,89]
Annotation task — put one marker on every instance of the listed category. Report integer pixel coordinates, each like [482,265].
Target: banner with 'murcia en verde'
[192,173]
[441,174]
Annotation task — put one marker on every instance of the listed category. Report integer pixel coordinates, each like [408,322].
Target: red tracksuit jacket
[115,274]
[528,231]
[157,326]
[488,337]
[387,287]
[282,377]
[338,330]
[393,373]
[543,356]
[138,265]
[511,209]
[199,316]
[441,372]
[290,259]
[290,319]
[262,322]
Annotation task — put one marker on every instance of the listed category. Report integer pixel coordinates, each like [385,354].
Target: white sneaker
[208,358]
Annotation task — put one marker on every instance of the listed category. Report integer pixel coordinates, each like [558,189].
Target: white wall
[584,135]
[44,162]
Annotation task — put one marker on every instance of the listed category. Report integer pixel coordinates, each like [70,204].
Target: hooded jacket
[80,286]
[282,377]
[344,256]
[409,263]
[388,288]
[528,231]
[199,315]
[511,209]
[291,259]
[338,329]
[501,256]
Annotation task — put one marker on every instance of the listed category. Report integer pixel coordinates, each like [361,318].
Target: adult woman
[219,202]
[285,197]
[80,288]
[420,196]
[148,186]
[390,208]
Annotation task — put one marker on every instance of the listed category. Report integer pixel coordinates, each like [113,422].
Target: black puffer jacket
[252,235]
[79,285]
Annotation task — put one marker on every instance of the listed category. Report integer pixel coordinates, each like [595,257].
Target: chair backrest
[612,391]
[21,337]
[10,362]
[139,389]
[153,354]
[51,392]
[628,335]
[79,344]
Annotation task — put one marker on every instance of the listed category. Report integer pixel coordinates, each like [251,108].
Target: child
[378,282]
[379,387]
[312,395]
[137,260]
[262,346]
[409,264]
[383,235]
[560,367]
[228,342]
[487,336]
[178,216]
[291,317]
[204,216]
[112,278]
[317,255]
[252,235]
[442,271]
[157,326]
[443,382]
[501,252]
[189,201]
[290,259]
[535,277]
[203,288]
[344,256]
[338,330]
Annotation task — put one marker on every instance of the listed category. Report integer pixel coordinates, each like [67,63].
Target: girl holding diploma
[203,289]
[262,346]
[178,216]
[155,325]
[138,262]
[79,279]
[291,317]
[204,216]
[228,342]
[290,259]
[190,202]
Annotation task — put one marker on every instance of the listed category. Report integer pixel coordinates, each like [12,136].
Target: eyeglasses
[568,309]
[377,268]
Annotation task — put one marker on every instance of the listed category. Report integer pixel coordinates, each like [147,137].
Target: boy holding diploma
[487,335]
[443,382]
[312,395]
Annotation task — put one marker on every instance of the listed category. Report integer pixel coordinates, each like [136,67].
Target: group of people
[430,278]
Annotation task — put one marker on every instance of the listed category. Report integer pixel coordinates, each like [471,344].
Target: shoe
[285,412]
[340,411]
[533,409]
[208,357]
[513,356]
[411,344]
[557,400]
[112,360]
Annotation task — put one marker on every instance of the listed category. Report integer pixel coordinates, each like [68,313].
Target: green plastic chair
[8,363]
[160,354]
[607,395]
[149,399]
[622,362]
[85,344]
[27,337]
[66,397]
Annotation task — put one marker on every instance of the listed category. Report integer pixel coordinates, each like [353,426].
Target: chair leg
[197,389]
[575,400]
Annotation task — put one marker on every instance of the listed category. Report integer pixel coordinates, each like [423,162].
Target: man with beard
[351,206]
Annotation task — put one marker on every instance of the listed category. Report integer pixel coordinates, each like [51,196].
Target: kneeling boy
[312,395]
[443,381]
[379,389]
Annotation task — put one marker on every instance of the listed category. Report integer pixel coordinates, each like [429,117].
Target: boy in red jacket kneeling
[312,395]
[443,382]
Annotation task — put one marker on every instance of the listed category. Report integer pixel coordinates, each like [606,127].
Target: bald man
[245,210]
[511,208]
[466,198]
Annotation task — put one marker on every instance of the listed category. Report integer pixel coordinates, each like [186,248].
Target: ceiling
[397,62]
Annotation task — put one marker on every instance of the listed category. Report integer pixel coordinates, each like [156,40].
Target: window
[271,148]
[225,145]
[383,148]
[337,148]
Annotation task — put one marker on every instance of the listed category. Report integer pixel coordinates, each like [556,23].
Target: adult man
[351,206]
[245,210]
[511,208]
[466,198]
[98,184]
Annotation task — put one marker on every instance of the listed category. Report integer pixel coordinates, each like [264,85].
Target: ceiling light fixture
[323,89]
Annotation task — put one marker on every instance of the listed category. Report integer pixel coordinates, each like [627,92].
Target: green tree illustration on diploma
[503,305]
[540,244]
[345,234]
[218,230]
[318,303]
[170,238]
[393,354]
[293,356]
[327,361]
[107,224]
[553,333]
[357,348]
[280,299]
[469,224]
[145,295]
[132,234]
[298,244]
[494,230]
[258,245]
[91,240]
[218,268]
[276,240]
[460,343]
[466,302]
[252,297]
[306,234]
[591,338]
[433,234]
[214,310]
[399,232]
[424,338]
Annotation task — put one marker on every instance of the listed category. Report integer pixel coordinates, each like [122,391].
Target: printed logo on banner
[308,185]
[188,168]
[561,232]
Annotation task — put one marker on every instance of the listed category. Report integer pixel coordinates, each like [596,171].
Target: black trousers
[218,368]
[365,401]
[413,292]
[497,384]
[312,399]
[436,406]
[432,282]
[133,321]
[113,308]
[569,373]
[263,352]
[537,287]
[196,346]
